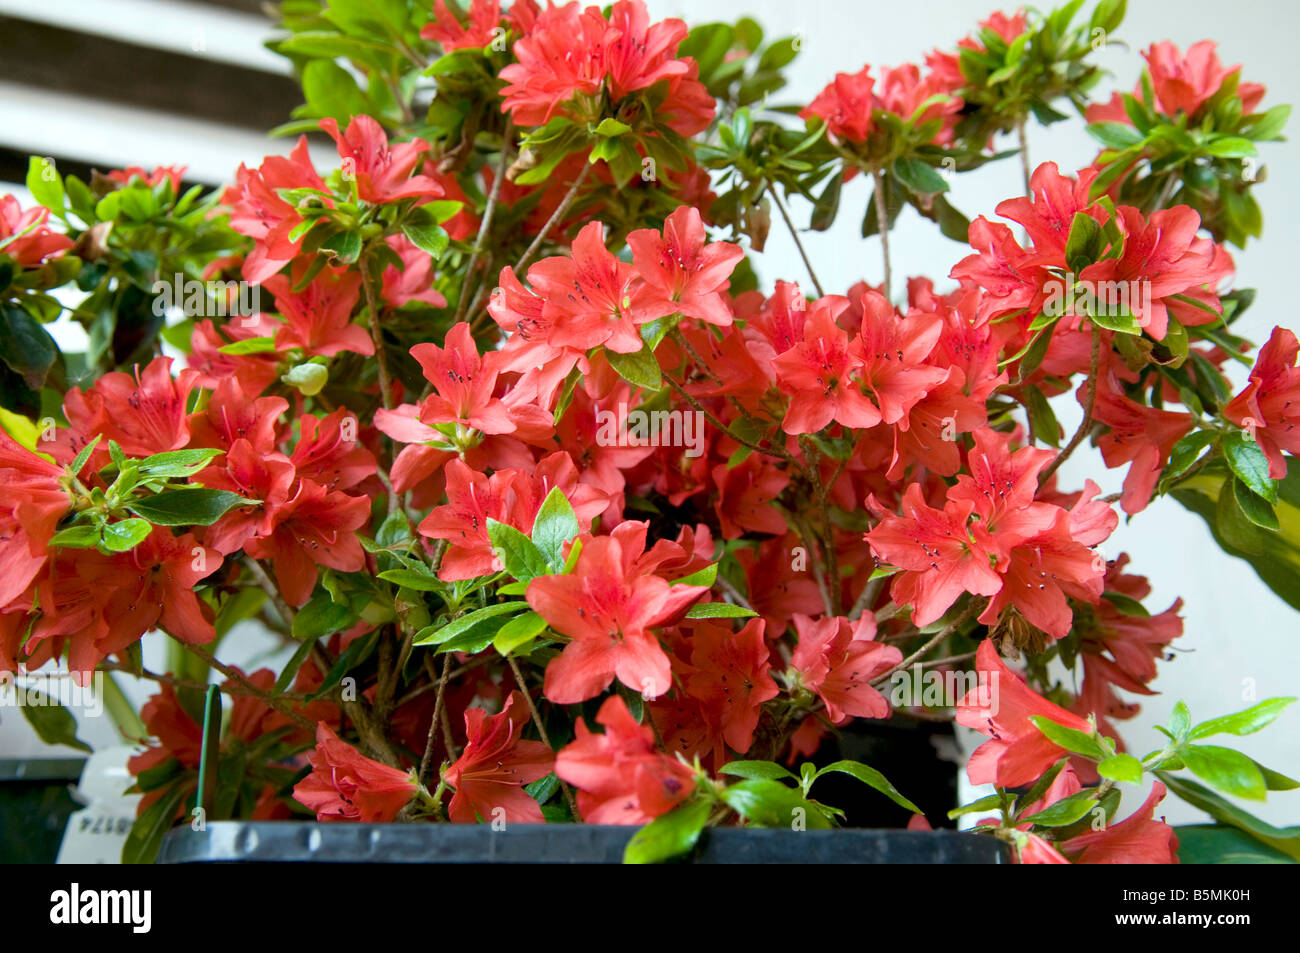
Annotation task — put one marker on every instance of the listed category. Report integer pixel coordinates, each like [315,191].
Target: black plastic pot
[35,804]
[294,841]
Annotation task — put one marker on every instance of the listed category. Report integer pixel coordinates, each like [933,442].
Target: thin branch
[440,679]
[485,225]
[556,217]
[882,222]
[232,673]
[541,728]
[975,606]
[795,235]
[1089,399]
[1024,154]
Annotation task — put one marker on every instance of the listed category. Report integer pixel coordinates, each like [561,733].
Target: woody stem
[795,235]
[485,225]
[1024,153]
[541,728]
[975,606]
[556,217]
[1089,399]
[882,221]
[232,673]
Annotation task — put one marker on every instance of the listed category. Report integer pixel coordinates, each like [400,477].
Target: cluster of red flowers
[846,404]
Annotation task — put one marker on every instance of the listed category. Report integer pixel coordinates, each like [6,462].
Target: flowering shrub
[563,516]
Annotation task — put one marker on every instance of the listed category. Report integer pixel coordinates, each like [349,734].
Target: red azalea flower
[593,298]
[383,173]
[255,372]
[845,105]
[318,319]
[32,502]
[1269,406]
[345,785]
[232,415]
[941,554]
[259,212]
[255,475]
[894,351]
[681,271]
[1162,260]
[820,374]
[1017,752]
[145,412]
[156,587]
[607,607]
[163,173]
[26,238]
[1139,435]
[734,668]
[1138,839]
[495,765]
[478,31]
[329,451]
[620,776]
[1049,213]
[415,281]
[1184,83]
[837,659]
[1041,572]
[508,496]
[314,527]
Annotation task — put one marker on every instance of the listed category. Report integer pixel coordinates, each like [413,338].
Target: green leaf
[345,246]
[669,835]
[518,631]
[262,345]
[45,184]
[175,463]
[1187,451]
[1222,844]
[872,778]
[1250,465]
[438,634]
[992,802]
[78,536]
[1064,812]
[1285,839]
[1068,738]
[718,610]
[1226,770]
[701,577]
[1231,147]
[25,346]
[1046,427]
[518,554]
[612,127]
[1180,720]
[1254,507]
[1243,722]
[755,770]
[766,803]
[84,455]
[430,239]
[142,843]
[1114,135]
[290,671]
[1121,767]
[53,723]
[320,617]
[919,176]
[640,368]
[1275,556]
[555,525]
[188,507]
[1269,125]
[1083,246]
[125,535]
[412,579]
